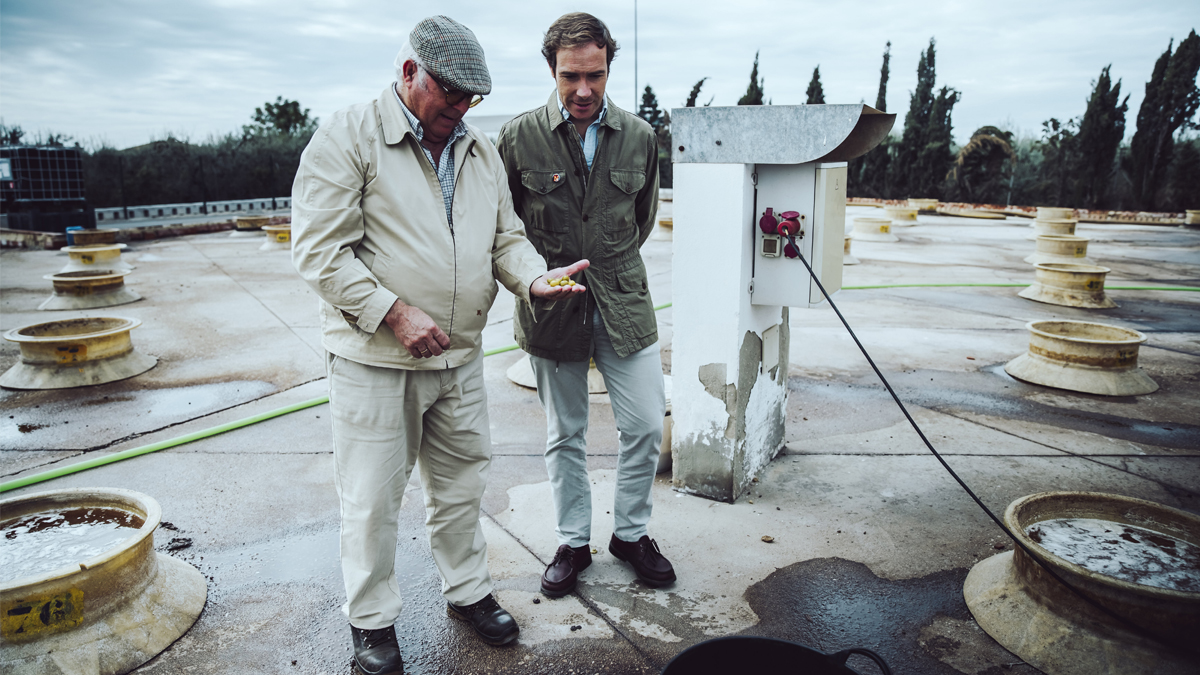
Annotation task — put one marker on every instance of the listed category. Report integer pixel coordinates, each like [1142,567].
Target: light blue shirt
[445,166]
[588,141]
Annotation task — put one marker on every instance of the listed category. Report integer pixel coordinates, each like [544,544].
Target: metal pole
[121,178]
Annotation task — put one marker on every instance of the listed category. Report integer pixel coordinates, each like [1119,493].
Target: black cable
[999,523]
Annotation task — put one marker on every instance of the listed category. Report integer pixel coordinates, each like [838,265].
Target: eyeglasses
[454,96]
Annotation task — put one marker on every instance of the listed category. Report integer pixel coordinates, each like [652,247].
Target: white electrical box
[794,162]
[816,193]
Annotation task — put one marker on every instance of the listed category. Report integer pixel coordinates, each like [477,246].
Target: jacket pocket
[634,297]
[629,181]
[621,200]
[546,209]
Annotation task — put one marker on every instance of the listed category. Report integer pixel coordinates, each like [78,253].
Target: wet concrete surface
[872,538]
[831,604]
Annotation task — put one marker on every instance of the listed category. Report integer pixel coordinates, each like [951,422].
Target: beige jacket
[369,226]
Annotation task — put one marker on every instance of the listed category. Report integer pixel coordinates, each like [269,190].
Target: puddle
[111,412]
[42,542]
[1124,552]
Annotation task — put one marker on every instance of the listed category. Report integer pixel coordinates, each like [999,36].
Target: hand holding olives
[558,282]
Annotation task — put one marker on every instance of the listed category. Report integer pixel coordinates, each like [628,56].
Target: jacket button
[585,217]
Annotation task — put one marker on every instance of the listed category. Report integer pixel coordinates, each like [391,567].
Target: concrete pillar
[734,278]
[729,357]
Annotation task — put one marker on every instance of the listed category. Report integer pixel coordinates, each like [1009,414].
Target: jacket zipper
[454,249]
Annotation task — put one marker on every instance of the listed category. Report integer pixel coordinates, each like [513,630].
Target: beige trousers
[384,421]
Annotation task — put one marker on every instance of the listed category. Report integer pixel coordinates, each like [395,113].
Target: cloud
[127,70]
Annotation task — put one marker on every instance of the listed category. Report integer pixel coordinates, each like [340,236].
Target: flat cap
[451,52]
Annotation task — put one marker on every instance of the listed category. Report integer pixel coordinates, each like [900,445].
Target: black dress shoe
[648,562]
[376,652]
[562,572]
[488,618]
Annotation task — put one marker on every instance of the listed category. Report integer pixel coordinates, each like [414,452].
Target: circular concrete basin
[666,228]
[279,238]
[1070,285]
[96,236]
[873,229]
[1052,227]
[95,257]
[251,223]
[88,290]
[1060,248]
[75,353]
[1107,547]
[847,258]
[923,204]
[1093,358]
[1054,213]
[521,373]
[971,213]
[87,593]
[902,216]
[249,226]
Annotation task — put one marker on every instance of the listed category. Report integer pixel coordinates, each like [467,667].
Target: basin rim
[68,497]
[14,335]
[1137,337]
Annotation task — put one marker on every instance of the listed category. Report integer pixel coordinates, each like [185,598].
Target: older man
[584,178]
[403,223]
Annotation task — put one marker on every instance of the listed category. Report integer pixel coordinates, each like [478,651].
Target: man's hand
[416,331]
[541,286]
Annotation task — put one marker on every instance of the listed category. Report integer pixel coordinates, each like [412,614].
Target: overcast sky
[124,72]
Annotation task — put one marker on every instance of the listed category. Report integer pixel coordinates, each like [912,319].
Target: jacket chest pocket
[547,206]
[626,183]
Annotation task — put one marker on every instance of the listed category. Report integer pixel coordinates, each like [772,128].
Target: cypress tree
[1183,183]
[1171,101]
[923,154]
[754,92]
[1100,134]
[881,97]
[815,93]
[691,99]
[660,121]
[1056,171]
[867,176]
[935,157]
[650,111]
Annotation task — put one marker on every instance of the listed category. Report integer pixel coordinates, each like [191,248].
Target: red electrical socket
[769,224]
[790,225]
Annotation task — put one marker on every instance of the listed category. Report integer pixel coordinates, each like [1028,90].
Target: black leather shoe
[376,652]
[648,562]
[488,618]
[562,572]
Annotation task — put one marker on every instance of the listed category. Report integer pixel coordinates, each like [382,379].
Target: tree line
[259,161]
[1080,162]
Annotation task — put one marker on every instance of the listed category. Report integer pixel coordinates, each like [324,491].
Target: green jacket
[604,215]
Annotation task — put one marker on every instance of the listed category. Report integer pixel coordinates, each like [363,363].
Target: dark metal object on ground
[750,654]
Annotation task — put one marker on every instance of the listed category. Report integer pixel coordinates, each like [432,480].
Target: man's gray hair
[407,53]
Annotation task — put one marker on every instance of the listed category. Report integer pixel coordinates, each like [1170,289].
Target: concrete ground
[872,538]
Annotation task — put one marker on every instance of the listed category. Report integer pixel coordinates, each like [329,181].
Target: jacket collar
[395,122]
[554,117]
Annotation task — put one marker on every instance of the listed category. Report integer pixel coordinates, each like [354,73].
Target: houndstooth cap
[451,52]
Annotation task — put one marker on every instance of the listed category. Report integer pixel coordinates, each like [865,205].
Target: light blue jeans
[635,387]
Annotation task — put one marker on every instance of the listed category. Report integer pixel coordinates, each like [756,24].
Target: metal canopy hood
[776,134]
